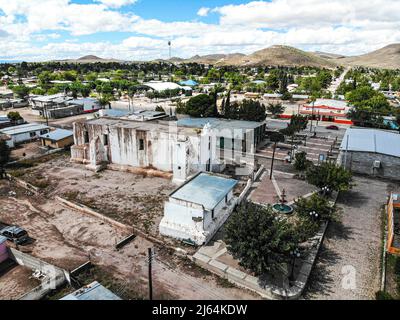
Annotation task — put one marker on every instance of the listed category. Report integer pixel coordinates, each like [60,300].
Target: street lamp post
[314,216]
[272,161]
[295,254]
[312,115]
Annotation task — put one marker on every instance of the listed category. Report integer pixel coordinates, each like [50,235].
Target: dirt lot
[27,150]
[15,282]
[129,198]
[68,238]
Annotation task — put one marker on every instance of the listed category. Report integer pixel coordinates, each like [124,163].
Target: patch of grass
[71,195]
[40,183]
[225,283]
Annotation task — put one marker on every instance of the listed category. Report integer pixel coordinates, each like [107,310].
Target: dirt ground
[16,282]
[126,197]
[27,150]
[67,238]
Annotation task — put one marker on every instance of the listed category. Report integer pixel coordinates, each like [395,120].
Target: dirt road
[348,267]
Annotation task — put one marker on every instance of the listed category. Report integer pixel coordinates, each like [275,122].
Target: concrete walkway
[348,267]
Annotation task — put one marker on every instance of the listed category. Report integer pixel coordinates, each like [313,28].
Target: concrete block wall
[362,162]
[55,276]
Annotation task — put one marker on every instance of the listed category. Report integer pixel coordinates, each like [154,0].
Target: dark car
[15,234]
[332,127]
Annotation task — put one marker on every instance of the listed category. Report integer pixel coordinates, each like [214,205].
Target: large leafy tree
[275,109]
[201,106]
[329,175]
[258,239]
[252,110]
[21,91]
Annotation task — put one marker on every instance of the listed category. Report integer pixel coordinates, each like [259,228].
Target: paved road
[273,124]
[352,246]
[336,82]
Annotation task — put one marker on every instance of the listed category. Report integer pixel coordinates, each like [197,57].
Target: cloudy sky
[38,30]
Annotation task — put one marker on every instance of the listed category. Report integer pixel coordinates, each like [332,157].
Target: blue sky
[38,30]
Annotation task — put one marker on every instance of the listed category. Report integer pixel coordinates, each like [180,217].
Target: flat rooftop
[168,126]
[57,134]
[371,140]
[24,128]
[218,123]
[93,291]
[205,189]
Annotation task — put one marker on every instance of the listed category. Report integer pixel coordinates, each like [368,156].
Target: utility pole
[150,274]
[312,116]
[272,162]
[47,116]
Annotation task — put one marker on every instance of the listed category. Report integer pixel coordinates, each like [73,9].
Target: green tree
[251,110]
[276,109]
[318,204]
[272,81]
[201,106]
[21,91]
[4,156]
[14,116]
[329,175]
[257,239]
[300,161]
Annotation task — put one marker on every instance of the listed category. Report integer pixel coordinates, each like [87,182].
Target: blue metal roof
[372,140]
[57,134]
[94,291]
[190,83]
[205,189]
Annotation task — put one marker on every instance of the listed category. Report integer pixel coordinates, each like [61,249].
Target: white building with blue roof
[197,209]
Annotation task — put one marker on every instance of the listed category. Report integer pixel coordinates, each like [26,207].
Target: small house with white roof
[197,209]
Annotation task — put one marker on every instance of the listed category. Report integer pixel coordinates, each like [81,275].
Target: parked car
[15,234]
[332,127]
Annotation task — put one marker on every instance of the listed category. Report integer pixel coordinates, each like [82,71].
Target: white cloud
[203,12]
[116,3]
[340,26]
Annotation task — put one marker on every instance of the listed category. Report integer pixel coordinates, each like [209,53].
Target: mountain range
[279,55]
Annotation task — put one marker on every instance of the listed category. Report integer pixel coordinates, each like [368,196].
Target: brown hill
[385,58]
[90,59]
[282,56]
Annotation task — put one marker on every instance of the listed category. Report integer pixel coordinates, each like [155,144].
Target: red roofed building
[327,110]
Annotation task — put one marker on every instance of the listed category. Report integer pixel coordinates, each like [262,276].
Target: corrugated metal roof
[30,127]
[372,140]
[205,189]
[57,134]
[93,291]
